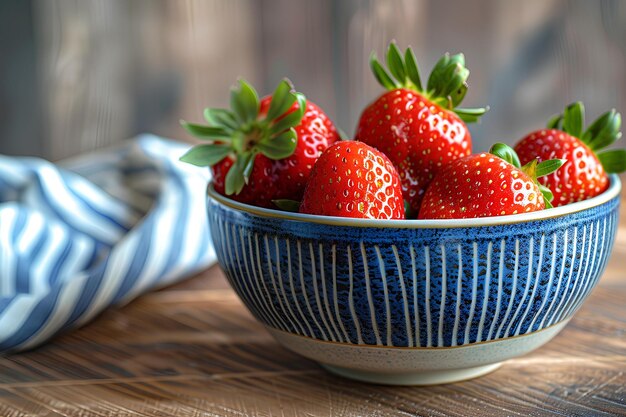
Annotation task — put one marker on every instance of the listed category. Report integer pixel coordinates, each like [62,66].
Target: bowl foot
[413,378]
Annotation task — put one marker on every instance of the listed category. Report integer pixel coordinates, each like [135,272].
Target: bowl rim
[613,191]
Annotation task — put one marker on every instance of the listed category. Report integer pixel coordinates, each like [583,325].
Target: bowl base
[413,378]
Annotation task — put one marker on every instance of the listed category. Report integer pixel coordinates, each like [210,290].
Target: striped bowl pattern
[418,284]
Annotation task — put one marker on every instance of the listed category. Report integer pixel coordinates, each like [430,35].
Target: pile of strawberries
[411,156]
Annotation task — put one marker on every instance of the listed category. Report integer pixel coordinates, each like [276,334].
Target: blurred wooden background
[76,75]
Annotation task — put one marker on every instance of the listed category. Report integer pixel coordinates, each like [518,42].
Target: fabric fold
[95,231]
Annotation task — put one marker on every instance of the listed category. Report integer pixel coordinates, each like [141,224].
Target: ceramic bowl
[414,302]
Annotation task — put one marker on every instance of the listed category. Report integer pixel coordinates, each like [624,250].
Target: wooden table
[193,350]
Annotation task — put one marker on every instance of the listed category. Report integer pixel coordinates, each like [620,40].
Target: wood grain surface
[193,350]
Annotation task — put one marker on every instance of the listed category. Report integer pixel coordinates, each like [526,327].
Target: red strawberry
[585,173]
[352,179]
[487,185]
[262,150]
[419,129]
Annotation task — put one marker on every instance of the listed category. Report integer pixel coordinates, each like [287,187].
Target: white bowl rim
[612,192]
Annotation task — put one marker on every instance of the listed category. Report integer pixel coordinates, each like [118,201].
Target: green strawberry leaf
[381,74]
[247,169]
[279,146]
[604,131]
[505,152]
[245,102]
[547,195]
[206,155]
[432,85]
[235,179]
[613,161]
[207,132]
[530,169]
[555,122]
[220,118]
[293,119]
[412,71]
[287,205]
[574,119]
[471,115]
[282,100]
[548,167]
[395,63]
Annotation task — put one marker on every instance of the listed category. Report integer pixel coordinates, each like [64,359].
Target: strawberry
[352,179]
[585,173]
[419,129]
[262,150]
[484,185]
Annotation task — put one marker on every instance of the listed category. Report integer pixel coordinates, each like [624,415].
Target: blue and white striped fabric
[99,231]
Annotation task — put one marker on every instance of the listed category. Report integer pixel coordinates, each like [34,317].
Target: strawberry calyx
[242,133]
[284,204]
[534,169]
[446,85]
[600,134]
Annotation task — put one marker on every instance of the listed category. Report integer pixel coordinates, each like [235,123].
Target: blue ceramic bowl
[414,302]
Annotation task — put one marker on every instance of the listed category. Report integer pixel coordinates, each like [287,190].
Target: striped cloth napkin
[93,232]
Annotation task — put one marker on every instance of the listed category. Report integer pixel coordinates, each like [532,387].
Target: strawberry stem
[446,86]
[600,134]
[534,169]
[241,134]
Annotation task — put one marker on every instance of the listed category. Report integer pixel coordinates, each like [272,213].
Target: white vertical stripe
[592,271]
[459,291]
[383,275]
[238,283]
[31,233]
[416,319]
[496,315]
[7,255]
[316,292]
[470,317]
[405,301]
[444,290]
[335,295]
[583,277]
[507,333]
[325,292]
[247,279]
[278,318]
[276,295]
[487,281]
[291,316]
[513,291]
[370,301]
[429,330]
[293,290]
[557,296]
[557,312]
[355,318]
[535,285]
[42,265]
[304,292]
[576,281]
[546,294]
[600,261]
[230,263]
[269,318]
